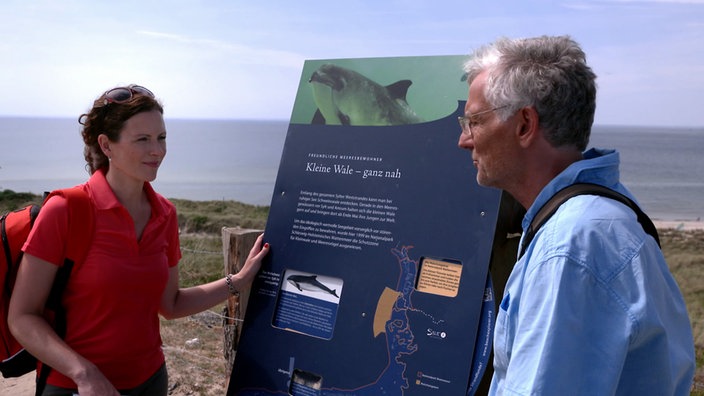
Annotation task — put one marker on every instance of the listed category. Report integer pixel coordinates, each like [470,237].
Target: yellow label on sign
[439,277]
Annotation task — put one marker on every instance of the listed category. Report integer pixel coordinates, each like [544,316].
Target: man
[591,307]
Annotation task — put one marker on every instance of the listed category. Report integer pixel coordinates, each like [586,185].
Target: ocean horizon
[239,159]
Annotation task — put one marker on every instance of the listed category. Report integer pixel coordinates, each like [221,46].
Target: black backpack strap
[568,192]
[81,219]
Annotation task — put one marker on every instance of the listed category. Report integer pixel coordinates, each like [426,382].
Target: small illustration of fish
[345,97]
[310,283]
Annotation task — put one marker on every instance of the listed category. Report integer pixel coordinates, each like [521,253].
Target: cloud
[240,53]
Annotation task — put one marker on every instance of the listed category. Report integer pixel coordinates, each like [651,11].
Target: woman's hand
[26,318]
[92,382]
[177,302]
[252,265]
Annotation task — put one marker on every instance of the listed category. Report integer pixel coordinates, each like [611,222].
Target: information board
[376,282]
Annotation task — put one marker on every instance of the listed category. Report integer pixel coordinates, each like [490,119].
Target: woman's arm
[177,302]
[26,320]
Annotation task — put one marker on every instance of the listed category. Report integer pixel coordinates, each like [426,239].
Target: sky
[237,59]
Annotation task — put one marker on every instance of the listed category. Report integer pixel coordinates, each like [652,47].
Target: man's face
[490,138]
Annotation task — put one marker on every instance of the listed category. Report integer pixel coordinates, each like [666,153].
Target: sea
[239,160]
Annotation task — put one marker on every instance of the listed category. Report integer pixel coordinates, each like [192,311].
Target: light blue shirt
[591,308]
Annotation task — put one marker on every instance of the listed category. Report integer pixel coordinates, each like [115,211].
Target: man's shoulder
[589,229]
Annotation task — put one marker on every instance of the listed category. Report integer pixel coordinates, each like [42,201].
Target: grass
[194,217]
[211,216]
[193,346]
[684,252]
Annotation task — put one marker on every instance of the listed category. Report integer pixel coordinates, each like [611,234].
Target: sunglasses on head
[118,95]
[124,94]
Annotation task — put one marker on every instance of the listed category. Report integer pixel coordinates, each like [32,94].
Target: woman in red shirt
[112,344]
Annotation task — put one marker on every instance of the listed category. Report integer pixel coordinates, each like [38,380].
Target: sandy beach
[684,225]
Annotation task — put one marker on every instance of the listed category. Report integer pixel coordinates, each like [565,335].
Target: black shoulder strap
[566,193]
[81,227]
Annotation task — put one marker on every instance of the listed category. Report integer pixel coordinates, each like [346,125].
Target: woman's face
[140,149]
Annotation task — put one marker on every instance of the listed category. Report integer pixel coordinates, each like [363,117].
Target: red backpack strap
[81,222]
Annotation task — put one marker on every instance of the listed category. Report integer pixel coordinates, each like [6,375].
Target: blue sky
[243,59]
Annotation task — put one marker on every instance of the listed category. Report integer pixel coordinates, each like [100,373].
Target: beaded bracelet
[230,286]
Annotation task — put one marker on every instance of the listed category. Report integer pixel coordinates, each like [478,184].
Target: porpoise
[345,97]
[310,283]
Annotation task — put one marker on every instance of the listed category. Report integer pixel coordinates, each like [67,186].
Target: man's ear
[528,128]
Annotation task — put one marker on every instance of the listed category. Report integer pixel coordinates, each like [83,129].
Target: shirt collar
[104,198]
[598,166]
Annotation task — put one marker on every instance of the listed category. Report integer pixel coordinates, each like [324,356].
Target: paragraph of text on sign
[338,208]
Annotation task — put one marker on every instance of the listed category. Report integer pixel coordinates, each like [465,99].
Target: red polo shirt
[112,299]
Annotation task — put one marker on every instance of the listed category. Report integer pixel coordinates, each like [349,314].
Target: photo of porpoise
[310,283]
[346,97]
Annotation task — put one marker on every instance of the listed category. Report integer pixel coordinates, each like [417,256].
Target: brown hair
[109,119]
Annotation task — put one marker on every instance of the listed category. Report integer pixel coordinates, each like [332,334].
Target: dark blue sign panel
[381,240]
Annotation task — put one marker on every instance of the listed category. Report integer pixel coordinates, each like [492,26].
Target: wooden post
[236,244]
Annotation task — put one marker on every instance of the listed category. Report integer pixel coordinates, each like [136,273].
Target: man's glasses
[466,122]
[124,94]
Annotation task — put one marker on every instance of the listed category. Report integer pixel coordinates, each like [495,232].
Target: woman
[130,276]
